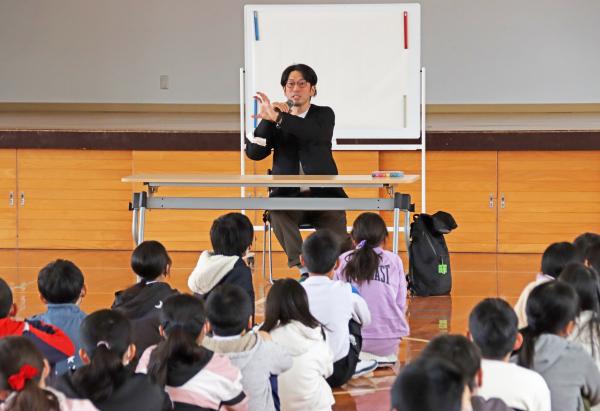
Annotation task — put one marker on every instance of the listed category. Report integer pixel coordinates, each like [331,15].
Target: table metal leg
[396,223]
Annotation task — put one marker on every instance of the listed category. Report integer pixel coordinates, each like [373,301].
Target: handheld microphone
[289,103]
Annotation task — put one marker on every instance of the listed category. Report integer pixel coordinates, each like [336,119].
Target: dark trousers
[344,368]
[286,222]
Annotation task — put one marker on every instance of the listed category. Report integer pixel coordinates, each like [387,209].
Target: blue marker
[255,111]
[255,25]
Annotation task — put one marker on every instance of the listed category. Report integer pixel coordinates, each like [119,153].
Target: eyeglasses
[300,83]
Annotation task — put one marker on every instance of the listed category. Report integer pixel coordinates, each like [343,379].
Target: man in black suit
[299,134]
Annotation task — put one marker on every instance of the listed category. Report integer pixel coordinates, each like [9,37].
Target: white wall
[492,51]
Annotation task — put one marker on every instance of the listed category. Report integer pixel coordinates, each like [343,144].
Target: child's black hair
[368,232]
[149,261]
[557,256]
[182,319]
[286,302]
[15,353]
[586,283]
[105,336]
[458,350]
[6,299]
[320,251]
[551,306]
[231,234]
[493,325]
[428,384]
[60,282]
[584,241]
[228,308]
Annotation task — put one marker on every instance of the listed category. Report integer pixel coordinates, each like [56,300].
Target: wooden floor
[475,276]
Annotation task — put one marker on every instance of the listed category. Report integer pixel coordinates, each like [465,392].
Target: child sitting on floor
[142,302]
[23,373]
[61,287]
[493,328]
[465,355]
[586,283]
[289,322]
[334,304]
[193,376]
[229,313]
[554,259]
[569,371]
[231,236]
[378,275]
[106,378]
[53,343]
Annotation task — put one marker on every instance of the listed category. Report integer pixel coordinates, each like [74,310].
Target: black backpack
[429,260]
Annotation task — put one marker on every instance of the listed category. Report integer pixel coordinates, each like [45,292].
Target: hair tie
[104,343]
[361,244]
[17,381]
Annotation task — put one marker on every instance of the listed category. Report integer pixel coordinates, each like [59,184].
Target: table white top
[160,179]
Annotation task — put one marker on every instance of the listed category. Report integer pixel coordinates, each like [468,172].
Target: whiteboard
[366,56]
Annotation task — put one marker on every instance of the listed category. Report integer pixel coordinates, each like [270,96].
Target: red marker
[405,30]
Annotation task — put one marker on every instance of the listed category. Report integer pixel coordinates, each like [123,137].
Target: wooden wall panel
[550,196]
[185,230]
[459,183]
[74,199]
[8,212]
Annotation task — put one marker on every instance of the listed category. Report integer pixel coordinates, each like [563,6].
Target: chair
[269,243]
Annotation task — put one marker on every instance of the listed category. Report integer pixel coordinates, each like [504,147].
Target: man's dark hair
[493,325]
[6,299]
[320,251]
[231,234]
[557,256]
[307,73]
[228,308]
[60,282]
[428,384]
[458,350]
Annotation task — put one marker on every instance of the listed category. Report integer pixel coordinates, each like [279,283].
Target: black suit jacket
[299,140]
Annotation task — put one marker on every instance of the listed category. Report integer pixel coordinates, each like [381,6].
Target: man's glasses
[300,83]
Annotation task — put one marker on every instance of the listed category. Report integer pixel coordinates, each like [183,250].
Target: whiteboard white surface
[365,73]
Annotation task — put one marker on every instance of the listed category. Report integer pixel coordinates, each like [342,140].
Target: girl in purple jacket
[378,275]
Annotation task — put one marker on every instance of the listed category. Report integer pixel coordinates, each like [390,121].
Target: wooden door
[74,199]
[185,230]
[458,182]
[549,196]
[8,198]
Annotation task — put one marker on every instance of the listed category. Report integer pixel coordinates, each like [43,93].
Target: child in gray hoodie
[229,315]
[569,371]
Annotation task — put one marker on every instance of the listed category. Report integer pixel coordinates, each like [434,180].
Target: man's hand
[283,107]
[266,110]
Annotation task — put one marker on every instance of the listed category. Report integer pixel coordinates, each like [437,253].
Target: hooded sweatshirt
[216,269]
[303,387]
[257,360]
[64,403]
[569,371]
[142,307]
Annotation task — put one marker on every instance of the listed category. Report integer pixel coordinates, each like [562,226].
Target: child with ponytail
[23,373]
[193,376]
[106,378]
[569,371]
[378,275]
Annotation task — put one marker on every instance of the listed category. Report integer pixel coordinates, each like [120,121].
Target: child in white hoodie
[231,236]
[290,324]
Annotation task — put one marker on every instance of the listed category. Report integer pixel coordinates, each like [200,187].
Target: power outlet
[164,82]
